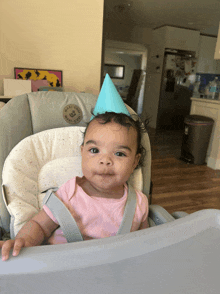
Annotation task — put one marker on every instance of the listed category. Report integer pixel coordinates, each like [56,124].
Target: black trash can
[196,138]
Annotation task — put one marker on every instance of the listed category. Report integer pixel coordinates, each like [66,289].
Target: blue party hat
[109,99]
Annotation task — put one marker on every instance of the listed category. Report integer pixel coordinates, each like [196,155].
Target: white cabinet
[182,39]
[177,38]
[206,62]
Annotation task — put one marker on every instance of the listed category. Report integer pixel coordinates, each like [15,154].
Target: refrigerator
[178,77]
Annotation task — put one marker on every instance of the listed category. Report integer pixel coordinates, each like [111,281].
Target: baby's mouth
[105,174]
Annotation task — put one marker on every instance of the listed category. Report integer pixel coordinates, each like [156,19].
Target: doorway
[134,58]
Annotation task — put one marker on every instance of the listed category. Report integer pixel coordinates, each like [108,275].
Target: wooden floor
[178,186]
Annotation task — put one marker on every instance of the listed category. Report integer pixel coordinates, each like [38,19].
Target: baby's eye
[120,154]
[94,150]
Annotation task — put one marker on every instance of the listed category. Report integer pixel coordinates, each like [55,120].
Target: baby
[111,150]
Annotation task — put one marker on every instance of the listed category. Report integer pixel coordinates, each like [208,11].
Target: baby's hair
[125,121]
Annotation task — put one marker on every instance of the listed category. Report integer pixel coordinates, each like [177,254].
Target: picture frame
[115,71]
[40,77]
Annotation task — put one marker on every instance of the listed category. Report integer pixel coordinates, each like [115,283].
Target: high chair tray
[182,256]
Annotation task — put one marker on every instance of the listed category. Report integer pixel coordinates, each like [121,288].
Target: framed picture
[115,71]
[39,77]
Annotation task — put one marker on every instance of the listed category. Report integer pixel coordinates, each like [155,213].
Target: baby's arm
[33,233]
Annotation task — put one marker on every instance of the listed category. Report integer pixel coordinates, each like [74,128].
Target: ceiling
[201,15]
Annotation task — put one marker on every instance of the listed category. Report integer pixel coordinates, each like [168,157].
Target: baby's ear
[137,158]
[81,148]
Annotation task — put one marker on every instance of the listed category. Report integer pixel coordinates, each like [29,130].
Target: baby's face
[109,155]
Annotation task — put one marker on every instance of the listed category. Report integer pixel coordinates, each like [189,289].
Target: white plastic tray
[179,257]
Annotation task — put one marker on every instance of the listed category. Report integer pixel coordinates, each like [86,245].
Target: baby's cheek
[86,168]
[125,174]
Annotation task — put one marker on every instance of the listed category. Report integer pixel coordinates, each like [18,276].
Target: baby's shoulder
[141,197]
[67,189]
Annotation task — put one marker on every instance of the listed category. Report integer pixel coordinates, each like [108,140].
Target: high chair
[41,134]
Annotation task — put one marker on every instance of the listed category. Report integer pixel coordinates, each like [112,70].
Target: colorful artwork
[52,78]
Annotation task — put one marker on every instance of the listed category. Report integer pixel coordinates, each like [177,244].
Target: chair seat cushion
[39,162]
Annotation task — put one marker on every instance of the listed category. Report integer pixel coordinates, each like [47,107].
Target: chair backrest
[35,112]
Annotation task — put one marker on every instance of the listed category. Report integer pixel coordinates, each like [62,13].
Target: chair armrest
[179,214]
[159,215]
[151,222]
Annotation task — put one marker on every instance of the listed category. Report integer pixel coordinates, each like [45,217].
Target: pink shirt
[96,217]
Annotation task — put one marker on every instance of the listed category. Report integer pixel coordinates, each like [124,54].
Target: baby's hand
[6,246]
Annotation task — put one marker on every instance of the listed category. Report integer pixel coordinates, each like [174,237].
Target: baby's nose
[106,160]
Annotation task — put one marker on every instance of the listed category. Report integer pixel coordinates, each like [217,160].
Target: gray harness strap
[63,216]
[68,223]
[125,226]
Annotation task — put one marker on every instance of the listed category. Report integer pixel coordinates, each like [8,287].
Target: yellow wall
[64,35]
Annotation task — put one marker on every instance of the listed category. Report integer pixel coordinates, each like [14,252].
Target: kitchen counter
[210,108]
[205,98]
